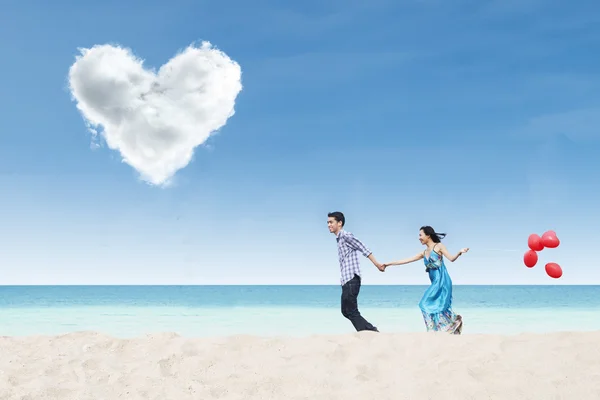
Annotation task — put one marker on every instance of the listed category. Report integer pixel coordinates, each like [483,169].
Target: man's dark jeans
[350,292]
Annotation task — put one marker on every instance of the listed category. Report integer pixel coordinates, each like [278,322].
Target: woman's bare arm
[447,254]
[405,261]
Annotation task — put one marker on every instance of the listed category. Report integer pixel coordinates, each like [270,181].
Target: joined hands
[383,266]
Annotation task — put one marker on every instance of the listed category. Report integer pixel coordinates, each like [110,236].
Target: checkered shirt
[348,249]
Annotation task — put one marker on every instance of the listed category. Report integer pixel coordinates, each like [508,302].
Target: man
[348,249]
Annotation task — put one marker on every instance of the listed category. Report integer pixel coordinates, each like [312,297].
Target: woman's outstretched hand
[463,251]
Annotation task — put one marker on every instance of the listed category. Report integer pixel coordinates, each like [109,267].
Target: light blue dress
[436,303]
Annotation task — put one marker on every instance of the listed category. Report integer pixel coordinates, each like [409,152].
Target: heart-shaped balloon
[535,242]
[554,270]
[550,240]
[530,259]
[155,119]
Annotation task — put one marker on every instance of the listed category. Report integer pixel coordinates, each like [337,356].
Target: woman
[436,304]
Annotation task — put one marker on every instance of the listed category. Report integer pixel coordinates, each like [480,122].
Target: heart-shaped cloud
[155,119]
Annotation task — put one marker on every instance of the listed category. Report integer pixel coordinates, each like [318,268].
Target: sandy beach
[365,365]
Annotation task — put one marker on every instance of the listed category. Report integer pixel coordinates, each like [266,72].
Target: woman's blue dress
[436,303]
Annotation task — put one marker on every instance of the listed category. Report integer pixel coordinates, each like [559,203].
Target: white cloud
[155,119]
[577,125]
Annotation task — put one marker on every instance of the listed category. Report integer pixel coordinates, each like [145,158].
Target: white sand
[354,366]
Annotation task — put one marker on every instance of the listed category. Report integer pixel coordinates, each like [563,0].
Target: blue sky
[478,118]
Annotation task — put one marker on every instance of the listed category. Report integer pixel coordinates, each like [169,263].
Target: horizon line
[282,284]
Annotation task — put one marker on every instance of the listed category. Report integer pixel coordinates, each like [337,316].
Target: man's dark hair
[338,216]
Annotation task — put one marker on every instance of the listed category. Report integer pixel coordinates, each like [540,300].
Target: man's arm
[357,245]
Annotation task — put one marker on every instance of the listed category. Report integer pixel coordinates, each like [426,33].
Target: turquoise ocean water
[128,311]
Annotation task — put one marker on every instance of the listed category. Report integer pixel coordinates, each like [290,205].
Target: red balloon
[550,240]
[535,242]
[530,258]
[553,270]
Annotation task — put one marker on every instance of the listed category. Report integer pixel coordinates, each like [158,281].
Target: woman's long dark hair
[435,236]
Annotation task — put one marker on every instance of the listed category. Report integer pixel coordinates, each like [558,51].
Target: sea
[210,311]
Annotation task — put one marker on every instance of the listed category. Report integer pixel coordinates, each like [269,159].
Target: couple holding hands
[436,303]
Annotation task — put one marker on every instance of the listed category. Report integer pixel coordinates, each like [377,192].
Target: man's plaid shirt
[348,248]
